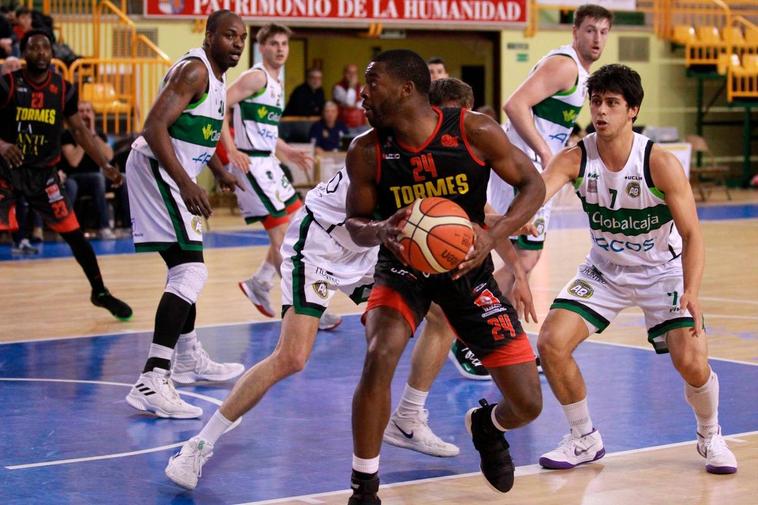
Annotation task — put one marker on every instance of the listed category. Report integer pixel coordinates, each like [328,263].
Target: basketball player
[542,113]
[437,69]
[179,139]
[34,104]
[407,427]
[386,163]
[319,259]
[257,99]
[647,251]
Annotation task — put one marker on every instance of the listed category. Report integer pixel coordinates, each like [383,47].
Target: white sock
[160,351]
[266,273]
[495,423]
[412,402]
[215,427]
[578,415]
[186,342]
[369,466]
[705,404]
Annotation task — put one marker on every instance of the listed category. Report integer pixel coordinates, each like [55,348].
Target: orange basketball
[437,235]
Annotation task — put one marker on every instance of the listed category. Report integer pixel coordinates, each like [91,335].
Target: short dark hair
[22,10]
[592,11]
[215,19]
[267,31]
[404,64]
[435,61]
[31,33]
[451,90]
[617,78]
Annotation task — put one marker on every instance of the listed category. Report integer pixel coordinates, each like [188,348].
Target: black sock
[86,258]
[170,317]
[189,323]
[156,363]
[364,476]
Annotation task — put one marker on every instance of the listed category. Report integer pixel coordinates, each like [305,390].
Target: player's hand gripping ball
[436,236]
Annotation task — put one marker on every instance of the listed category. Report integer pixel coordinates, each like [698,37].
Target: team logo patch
[320,289]
[633,189]
[592,186]
[581,289]
[449,141]
[486,300]
[196,224]
[539,223]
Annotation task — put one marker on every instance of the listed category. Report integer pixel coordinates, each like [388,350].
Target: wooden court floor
[46,299]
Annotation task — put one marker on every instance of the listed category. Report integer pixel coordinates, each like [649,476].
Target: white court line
[209,399]
[521,471]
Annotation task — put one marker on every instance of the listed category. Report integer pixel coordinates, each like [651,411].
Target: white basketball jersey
[630,223]
[327,204]
[197,130]
[554,117]
[256,118]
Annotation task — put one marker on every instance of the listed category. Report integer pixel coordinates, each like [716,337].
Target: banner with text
[611,5]
[471,13]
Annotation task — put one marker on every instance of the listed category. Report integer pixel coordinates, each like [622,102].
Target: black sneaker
[539,365]
[364,490]
[119,309]
[496,463]
[467,363]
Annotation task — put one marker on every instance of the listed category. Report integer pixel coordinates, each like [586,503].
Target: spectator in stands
[6,35]
[488,110]
[308,98]
[85,175]
[437,69]
[22,22]
[328,131]
[347,96]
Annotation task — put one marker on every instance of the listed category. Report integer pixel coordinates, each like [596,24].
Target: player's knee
[290,363]
[531,407]
[551,346]
[187,280]
[692,367]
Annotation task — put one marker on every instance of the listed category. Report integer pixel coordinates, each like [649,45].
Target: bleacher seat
[683,34]
[708,35]
[733,35]
[726,61]
[104,98]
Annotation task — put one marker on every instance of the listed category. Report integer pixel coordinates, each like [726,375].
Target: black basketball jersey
[444,166]
[31,115]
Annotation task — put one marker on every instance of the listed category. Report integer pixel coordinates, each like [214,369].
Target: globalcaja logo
[264,113]
[569,116]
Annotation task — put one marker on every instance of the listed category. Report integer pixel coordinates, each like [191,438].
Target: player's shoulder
[190,71]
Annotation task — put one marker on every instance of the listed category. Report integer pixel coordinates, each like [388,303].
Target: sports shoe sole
[551,464]
[407,444]
[176,479]
[140,405]
[464,373]
[250,296]
[192,377]
[330,327]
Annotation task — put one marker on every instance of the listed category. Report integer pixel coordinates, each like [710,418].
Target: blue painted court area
[560,220]
[69,404]
[211,240]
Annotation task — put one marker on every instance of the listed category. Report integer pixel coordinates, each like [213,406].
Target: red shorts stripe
[385,296]
[518,351]
[294,206]
[269,222]
[67,224]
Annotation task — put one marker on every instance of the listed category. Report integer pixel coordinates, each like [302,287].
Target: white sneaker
[329,321]
[574,451]
[718,458]
[186,466]
[154,392]
[196,365]
[106,234]
[258,292]
[414,433]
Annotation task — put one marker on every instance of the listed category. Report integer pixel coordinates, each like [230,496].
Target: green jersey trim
[629,222]
[173,211]
[585,312]
[556,111]
[200,101]
[195,129]
[260,113]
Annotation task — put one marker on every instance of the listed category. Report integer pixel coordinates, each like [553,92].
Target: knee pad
[187,280]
